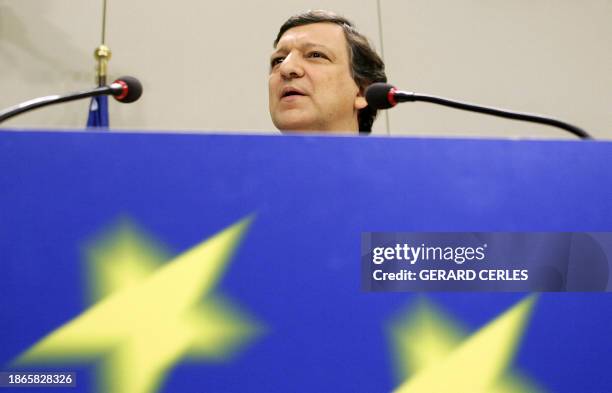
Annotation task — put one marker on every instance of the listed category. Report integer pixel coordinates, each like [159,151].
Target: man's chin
[297,131]
[299,124]
[296,126]
[313,130]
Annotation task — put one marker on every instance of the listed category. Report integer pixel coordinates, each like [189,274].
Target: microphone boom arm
[54,99]
[125,89]
[403,96]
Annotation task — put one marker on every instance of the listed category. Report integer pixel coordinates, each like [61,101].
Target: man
[319,71]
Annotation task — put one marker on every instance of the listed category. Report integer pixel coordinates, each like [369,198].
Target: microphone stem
[49,100]
[408,96]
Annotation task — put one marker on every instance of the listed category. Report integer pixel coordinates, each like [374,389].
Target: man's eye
[317,55]
[276,61]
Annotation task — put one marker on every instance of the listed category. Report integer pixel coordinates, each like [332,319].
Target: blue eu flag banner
[150,263]
[98,113]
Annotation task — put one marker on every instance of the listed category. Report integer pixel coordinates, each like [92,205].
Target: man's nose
[291,67]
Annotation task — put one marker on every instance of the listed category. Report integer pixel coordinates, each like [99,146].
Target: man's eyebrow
[309,45]
[306,45]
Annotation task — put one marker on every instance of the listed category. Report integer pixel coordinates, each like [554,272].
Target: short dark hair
[366,66]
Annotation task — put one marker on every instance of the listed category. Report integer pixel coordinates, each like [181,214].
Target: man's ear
[360,101]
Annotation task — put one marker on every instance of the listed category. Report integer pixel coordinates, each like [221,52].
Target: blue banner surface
[152,263]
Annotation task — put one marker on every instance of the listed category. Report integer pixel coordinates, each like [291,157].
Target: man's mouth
[291,92]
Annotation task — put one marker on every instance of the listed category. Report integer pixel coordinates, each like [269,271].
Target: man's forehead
[326,34]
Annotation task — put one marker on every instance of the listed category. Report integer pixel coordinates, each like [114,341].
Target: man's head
[318,73]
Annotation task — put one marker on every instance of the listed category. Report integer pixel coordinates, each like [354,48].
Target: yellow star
[120,258]
[149,317]
[432,349]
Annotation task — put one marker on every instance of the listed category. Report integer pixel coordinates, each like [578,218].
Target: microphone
[125,89]
[385,96]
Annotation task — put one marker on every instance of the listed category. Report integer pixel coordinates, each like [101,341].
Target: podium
[88,219]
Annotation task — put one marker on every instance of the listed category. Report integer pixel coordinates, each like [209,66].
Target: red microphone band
[124,89]
[391,96]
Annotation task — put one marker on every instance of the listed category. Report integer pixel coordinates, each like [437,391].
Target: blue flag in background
[98,112]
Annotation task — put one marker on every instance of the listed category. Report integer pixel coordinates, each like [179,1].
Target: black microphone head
[131,89]
[377,95]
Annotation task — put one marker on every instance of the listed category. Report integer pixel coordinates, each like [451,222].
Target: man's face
[310,85]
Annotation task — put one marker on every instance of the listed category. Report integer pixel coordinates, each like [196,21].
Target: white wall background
[204,64]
